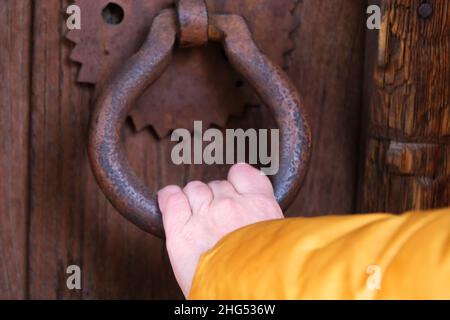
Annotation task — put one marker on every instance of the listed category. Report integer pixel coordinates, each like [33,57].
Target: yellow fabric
[330,258]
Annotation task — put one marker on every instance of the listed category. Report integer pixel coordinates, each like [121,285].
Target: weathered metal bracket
[199,84]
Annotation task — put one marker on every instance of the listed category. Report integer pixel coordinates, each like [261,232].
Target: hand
[198,216]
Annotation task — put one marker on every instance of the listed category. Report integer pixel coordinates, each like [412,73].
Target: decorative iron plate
[199,84]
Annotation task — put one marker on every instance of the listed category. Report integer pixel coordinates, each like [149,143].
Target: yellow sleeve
[376,256]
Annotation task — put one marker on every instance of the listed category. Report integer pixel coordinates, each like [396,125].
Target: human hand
[198,216]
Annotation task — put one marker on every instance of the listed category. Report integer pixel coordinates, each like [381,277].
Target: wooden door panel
[327,67]
[58,161]
[15,43]
[61,210]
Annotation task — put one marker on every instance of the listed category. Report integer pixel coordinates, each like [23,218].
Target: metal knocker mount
[113,30]
[191,25]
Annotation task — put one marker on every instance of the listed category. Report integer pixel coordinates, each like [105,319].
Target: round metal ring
[110,166]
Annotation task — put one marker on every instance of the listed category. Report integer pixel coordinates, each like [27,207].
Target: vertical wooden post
[15,36]
[407,156]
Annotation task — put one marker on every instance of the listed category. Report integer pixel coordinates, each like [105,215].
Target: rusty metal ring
[111,168]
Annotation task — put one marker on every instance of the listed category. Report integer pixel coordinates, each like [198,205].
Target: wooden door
[53,214]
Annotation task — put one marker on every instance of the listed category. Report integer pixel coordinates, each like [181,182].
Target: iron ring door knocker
[191,23]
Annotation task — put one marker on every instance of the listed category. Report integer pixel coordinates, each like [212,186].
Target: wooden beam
[408,136]
[15,39]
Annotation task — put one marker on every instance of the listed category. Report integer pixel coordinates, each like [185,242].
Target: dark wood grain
[15,41]
[327,67]
[407,148]
[58,169]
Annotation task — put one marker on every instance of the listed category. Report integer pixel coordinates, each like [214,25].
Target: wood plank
[57,163]
[408,142]
[327,67]
[14,107]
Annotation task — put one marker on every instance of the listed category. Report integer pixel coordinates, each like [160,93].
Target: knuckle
[169,190]
[223,186]
[194,185]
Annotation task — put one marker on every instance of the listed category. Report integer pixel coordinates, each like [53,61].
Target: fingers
[178,206]
[175,208]
[222,189]
[248,180]
[198,194]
